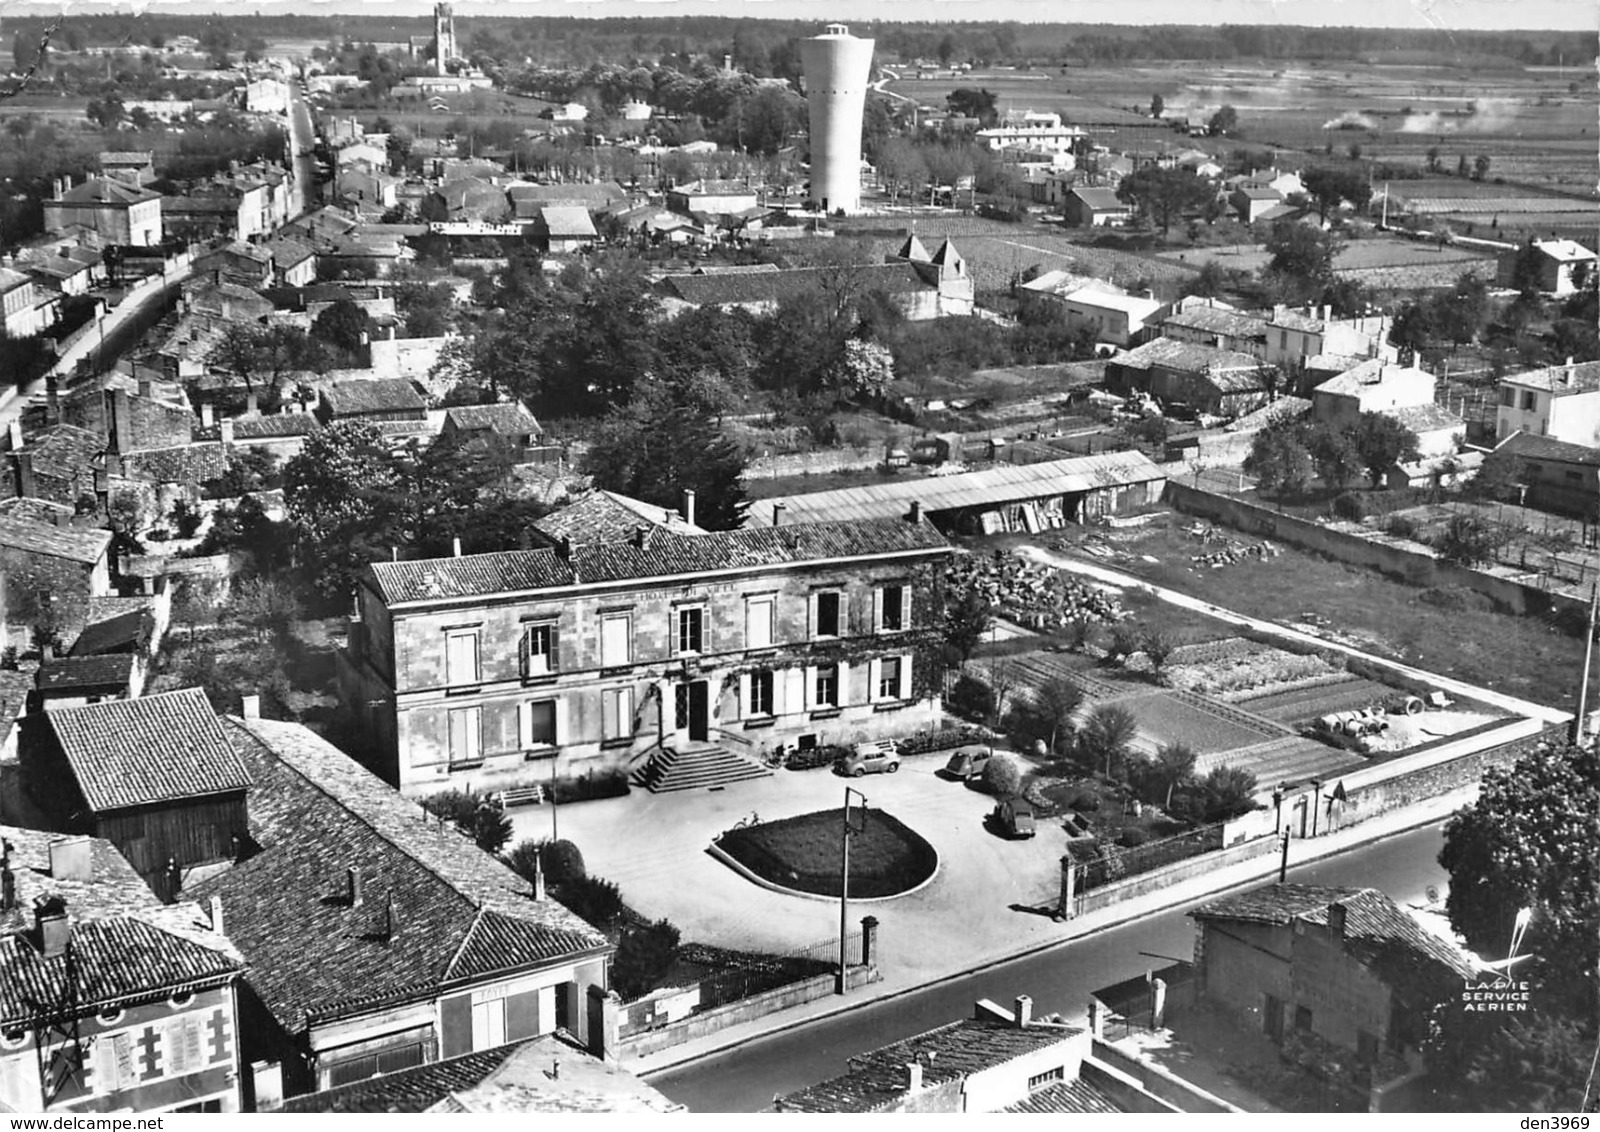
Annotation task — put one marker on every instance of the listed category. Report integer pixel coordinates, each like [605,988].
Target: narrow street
[1059,980]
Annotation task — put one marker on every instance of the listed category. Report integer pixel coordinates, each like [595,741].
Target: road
[302,138]
[1060,980]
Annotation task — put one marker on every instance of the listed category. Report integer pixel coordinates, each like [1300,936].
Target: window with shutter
[461,658]
[616,640]
[758,613]
[826,621]
[691,629]
[826,687]
[760,694]
[617,713]
[892,609]
[539,724]
[466,736]
[888,686]
[539,650]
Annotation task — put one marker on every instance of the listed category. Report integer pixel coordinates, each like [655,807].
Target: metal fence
[729,976]
[1116,862]
[1130,1005]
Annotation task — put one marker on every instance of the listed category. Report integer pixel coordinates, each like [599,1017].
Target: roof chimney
[14,429]
[216,914]
[688,505]
[52,928]
[353,886]
[391,922]
[8,880]
[538,879]
[250,707]
[69,859]
[1024,1012]
[455,547]
[777,514]
[564,549]
[916,511]
[225,433]
[640,534]
[1336,919]
[913,1076]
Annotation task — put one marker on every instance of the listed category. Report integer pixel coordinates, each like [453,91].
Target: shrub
[1106,735]
[458,806]
[1350,506]
[1459,599]
[593,899]
[1002,775]
[1401,526]
[590,785]
[491,826]
[1084,802]
[644,957]
[942,739]
[560,861]
[972,698]
[1132,837]
[186,519]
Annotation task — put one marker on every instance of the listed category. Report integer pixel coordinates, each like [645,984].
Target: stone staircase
[697,769]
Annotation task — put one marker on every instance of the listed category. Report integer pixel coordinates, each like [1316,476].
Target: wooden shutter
[561,721]
[810,678]
[905,677]
[743,711]
[874,672]
[555,649]
[842,692]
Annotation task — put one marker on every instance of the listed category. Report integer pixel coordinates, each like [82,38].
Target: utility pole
[839,984]
[1588,658]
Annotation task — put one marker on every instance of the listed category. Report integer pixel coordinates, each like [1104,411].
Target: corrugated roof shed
[989,488]
[437,910]
[156,749]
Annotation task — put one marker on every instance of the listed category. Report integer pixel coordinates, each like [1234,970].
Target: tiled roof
[950,1053]
[507,420]
[456,913]
[1530,447]
[768,287]
[239,249]
[664,554]
[1370,373]
[1009,483]
[63,450]
[80,672]
[1066,1096]
[410,1090]
[287,252]
[603,193]
[376,395]
[127,157]
[1101,200]
[106,190]
[124,941]
[1426,418]
[1135,306]
[15,687]
[1378,932]
[1211,320]
[1061,282]
[76,544]
[155,749]
[567,221]
[1297,320]
[264,428]
[182,463]
[1564,251]
[715,189]
[1188,357]
[1259,192]
[605,516]
[10,280]
[114,624]
[1580,377]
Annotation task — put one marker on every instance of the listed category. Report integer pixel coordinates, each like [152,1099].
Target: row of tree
[1286,456]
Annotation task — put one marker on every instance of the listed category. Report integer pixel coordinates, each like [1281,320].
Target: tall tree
[1279,459]
[655,448]
[1382,442]
[1224,122]
[1163,195]
[332,491]
[1532,840]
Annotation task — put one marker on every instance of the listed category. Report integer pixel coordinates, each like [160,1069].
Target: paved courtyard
[653,846]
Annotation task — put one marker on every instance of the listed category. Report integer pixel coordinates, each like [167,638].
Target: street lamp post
[844,891]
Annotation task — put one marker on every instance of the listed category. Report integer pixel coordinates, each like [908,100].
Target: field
[1357,255]
[1534,124]
[1521,656]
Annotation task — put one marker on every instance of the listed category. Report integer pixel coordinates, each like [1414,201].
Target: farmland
[1357,256]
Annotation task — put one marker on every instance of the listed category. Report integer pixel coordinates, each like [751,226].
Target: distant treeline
[752,43]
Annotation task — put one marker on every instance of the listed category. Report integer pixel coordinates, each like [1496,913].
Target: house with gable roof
[110,1000]
[376,939]
[1344,966]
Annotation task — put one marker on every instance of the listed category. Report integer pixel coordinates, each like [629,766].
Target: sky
[1577,15]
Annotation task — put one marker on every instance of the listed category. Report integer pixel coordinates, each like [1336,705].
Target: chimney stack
[15,431]
[250,707]
[51,926]
[913,1076]
[688,505]
[216,914]
[640,534]
[564,549]
[8,879]
[538,879]
[1024,1011]
[353,886]
[916,511]
[391,922]
[455,547]
[777,514]
[1336,919]
[225,433]
[121,423]
[25,484]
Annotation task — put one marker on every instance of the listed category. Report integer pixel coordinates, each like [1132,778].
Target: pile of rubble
[1234,552]
[1033,595]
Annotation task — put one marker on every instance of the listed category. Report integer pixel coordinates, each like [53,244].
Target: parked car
[1015,816]
[880,756]
[967,763]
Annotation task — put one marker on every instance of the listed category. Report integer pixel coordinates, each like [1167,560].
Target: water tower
[837,66]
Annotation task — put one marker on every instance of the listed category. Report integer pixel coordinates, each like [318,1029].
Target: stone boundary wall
[1411,562]
[1176,873]
[745,1010]
[815,463]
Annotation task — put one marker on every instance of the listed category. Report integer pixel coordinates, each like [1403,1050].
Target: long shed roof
[991,487]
